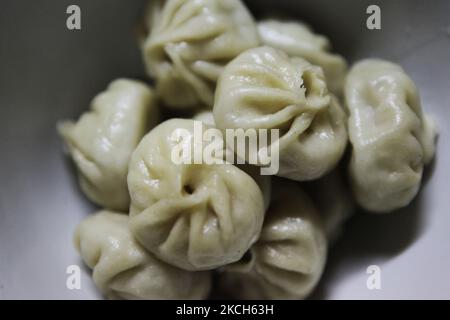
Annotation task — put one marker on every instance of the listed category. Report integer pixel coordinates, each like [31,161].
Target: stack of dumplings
[348,138]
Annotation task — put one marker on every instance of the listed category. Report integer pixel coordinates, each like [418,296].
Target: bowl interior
[49,73]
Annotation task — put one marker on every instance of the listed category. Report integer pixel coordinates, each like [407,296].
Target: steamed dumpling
[102,141]
[298,40]
[194,216]
[334,201]
[122,269]
[392,140]
[188,44]
[265,89]
[288,259]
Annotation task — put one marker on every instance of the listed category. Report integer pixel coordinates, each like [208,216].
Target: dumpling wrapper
[391,138]
[298,40]
[122,269]
[102,140]
[194,216]
[288,259]
[189,42]
[265,89]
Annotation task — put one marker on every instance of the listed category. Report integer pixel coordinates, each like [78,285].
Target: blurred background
[49,73]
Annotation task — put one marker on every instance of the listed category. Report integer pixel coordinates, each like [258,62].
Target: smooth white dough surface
[391,138]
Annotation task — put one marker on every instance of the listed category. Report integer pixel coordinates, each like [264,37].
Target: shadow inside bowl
[380,238]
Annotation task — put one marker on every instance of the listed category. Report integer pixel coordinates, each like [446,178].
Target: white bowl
[49,73]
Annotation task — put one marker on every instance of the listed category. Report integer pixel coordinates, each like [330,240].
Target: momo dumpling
[196,215]
[265,89]
[122,269]
[298,40]
[102,140]
[333,198]
[189,42]
[288,259]
[391,138]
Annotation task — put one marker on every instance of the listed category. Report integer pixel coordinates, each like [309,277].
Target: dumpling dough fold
[391,138]
[194,216]
[263,181]
[102,141]
[188,44]
[265,89]
[298,40]
[288,259]
[333,198]
[122,269]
